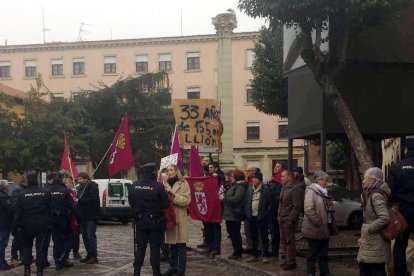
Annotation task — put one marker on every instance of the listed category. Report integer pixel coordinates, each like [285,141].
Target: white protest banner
[168,160]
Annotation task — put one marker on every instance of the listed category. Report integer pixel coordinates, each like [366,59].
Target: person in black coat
[401,183]
[149,199]
[257,208]
[63,207]
[6,215]
[88,204]
[32,215]
[17,244]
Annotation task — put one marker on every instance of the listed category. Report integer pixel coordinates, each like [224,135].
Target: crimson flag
[175,148]
[205,204]
[121,156]
[195,168]
[66,162]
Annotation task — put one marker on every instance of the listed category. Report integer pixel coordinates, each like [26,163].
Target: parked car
[113,194]
[348,211]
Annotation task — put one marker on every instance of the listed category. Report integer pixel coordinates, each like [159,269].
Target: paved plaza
[115,247]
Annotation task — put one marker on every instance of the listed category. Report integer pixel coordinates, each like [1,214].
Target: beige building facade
[198,67]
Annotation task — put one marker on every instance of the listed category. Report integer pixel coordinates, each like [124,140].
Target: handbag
[397,223]
[330,209]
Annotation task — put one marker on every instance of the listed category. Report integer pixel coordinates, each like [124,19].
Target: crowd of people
[271,211]
[37,215]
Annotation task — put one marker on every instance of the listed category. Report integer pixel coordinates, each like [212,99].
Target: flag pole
[69,160]
[103,158]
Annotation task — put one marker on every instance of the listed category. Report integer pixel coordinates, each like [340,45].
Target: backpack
[397,223]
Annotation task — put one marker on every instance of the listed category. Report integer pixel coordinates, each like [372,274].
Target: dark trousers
[400,247]
[154,237]
[88,229]
[288,243]
[213,231]
[29,235]
[275,234]
[233,229]
[76,243]
[4,239]
[63,240]
[259,228]
[178,257]
[205,233]
[17,245]
[372,269]
[318,252]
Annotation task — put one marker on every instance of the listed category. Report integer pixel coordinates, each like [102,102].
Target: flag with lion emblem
[205,204]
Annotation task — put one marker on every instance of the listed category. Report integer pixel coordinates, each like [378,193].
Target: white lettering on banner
[34,194]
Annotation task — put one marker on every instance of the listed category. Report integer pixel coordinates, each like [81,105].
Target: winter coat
[315,220]
[182,197]
[233,202]
[264,203]
[373,248]
[88,202]
[6,211]
[290,204]
[274,197]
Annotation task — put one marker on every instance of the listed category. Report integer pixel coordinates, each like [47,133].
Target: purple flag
[195,168]
[175,148]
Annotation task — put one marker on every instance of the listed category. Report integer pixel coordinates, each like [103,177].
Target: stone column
[225,24]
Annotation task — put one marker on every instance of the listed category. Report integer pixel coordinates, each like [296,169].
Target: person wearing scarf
[374,252]
[318,212]
[177,237]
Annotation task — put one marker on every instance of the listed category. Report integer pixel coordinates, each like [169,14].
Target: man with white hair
[6,215]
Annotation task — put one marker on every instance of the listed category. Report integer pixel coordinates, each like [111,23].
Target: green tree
[310,18]
[269,87]
[337,158]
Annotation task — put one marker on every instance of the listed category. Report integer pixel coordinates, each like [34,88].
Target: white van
[113,195]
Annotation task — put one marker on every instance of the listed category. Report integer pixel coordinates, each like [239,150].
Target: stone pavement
[338,267]
[115,248]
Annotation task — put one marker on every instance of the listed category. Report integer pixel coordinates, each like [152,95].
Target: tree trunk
[347,121]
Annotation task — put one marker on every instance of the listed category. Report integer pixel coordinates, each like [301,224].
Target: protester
[148,199]
[17,244]
[74,221]
[274,197]
[177,238]
[299,177]
[233,211]
[401,183]
[257,208]
[374,252]
[6,216]
[206,162]
[88,205]
[32,214]
[279,168]
[213,229]
[246,226]
[290,206]
[315,224]
[63,207]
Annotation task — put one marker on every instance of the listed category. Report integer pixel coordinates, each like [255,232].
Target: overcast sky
[21,20]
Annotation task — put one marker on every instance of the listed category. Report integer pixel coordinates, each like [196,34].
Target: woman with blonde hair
[177,237]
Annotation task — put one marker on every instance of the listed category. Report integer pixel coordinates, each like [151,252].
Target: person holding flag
[66,162]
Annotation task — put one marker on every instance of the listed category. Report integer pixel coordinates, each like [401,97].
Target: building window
[110,65]
[283,130]
[30,68]
[193,61]
[58,95]
[249,91]
[253,131]
[4,69]
[141,63]
[250,57]
[76,95]
[193,93]
[57,67]
[165,62]
[78,66]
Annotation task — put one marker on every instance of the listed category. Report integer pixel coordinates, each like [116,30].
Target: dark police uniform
[401,183]
[148,198]
[32,214]
[63,207]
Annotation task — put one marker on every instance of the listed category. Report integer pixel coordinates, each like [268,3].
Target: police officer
[63,207]
[32,214]
[401,183]
[148,199]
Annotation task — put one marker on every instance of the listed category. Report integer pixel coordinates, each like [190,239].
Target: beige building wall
[260,152]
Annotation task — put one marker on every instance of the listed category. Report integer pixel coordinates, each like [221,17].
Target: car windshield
[338,192]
